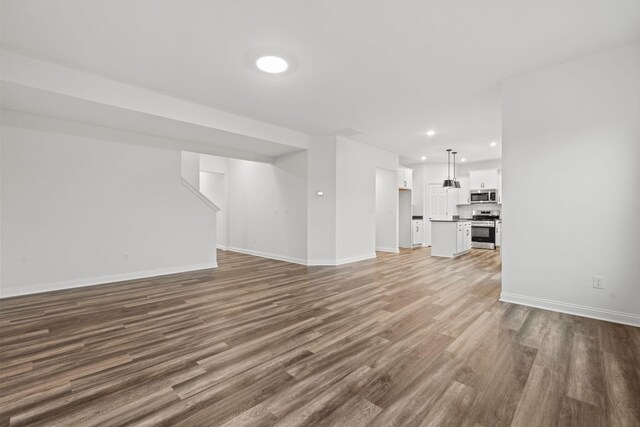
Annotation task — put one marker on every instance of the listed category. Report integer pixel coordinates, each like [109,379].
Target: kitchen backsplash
[466,211]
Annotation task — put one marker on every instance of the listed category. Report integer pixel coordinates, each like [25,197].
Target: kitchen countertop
[450,220]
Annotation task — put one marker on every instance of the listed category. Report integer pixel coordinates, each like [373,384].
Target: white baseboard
[335,262]
[575,309]
[267,255]
[355,258]
[101,280]
[316,262]
[321,262]
[221,247]
[391,250]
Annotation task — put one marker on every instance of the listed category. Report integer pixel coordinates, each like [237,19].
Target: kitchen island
[450,238]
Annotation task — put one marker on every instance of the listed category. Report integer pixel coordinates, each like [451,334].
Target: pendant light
[448,183]
[456,183]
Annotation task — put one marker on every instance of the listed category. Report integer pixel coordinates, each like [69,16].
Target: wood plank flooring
[405,339]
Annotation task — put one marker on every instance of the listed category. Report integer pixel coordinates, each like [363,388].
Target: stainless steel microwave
[484,196]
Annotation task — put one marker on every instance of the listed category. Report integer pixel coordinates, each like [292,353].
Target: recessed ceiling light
[493,143]
[463,159]
[424,157]
[272,64]
[431,132]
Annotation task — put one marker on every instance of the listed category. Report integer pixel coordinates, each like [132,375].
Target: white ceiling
[388,69]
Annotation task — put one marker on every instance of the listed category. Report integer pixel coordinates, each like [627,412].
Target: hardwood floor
[405,339]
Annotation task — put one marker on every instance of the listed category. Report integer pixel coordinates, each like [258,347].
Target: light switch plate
[598,282]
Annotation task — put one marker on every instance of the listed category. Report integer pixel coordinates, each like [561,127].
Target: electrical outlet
[598,282]
[125,257]
[254,241]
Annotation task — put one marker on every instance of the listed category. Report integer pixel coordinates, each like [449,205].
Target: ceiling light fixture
[272,64]
[493,144]
[431,132]
[456,183]
[448,183]
[463,159]
[424,157]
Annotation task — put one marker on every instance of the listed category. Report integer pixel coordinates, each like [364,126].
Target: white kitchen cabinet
[405,178]
[464,197]
[418,232]
[442,202]
[460,237]
[498,234]
[499,188]
[450,238]
[484,179]
[463,237]
[467,236]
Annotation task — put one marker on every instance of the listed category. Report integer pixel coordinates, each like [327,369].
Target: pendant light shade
[456,183]
[448,183]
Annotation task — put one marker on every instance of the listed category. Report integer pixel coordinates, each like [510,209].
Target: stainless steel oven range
[483,229]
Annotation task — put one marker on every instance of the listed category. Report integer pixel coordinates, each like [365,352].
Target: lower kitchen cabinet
[450,238]
[467,236]
[418,232]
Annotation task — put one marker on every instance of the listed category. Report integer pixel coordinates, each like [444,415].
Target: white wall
[356,165]
[191,168]
[462,169]
[321,211]
[73,208]
[265,206]
[571,136]
[273,209]
[214,186]
[386,210]
[418,191]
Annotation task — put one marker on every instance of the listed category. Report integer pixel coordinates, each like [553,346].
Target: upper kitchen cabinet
[463,193]
[405,178]
[485,179]
[500,188]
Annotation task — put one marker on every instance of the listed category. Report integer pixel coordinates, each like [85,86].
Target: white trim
[575,309]
[321,262]
[267,255]
[221,247]
[390,250]
[335,262]
[199,195]
[101,280]
[356,258]
[316,262]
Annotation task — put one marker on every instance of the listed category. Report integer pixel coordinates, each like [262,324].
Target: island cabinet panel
[450,238]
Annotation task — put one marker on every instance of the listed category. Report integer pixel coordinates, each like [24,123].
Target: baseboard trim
[575,309]
[103,280]
[356,258]
[315,262]
[221,247]
[267,255]
[390,250]
[341,261]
